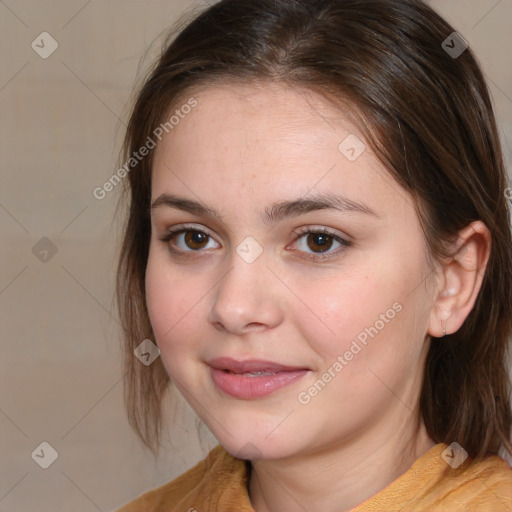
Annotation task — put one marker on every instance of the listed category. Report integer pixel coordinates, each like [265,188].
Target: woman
[319,246]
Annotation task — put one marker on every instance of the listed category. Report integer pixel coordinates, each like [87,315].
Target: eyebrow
[276,211]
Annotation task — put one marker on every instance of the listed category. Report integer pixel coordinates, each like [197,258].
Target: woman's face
[286,340]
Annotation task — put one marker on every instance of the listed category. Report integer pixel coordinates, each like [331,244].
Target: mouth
[253,378]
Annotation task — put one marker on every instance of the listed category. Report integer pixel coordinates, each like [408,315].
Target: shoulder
[193,487]
[485,486]
[434,485]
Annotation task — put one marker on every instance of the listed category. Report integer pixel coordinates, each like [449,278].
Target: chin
[255,448]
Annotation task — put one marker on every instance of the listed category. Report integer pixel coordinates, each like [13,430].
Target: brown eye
[195,239]
[187,240]
[319,242]
[314,242]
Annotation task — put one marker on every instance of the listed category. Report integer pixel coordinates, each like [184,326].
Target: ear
[461,279]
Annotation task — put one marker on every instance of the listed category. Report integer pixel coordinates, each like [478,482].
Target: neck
[337,478]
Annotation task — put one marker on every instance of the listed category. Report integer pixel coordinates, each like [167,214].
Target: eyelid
[319,228]
[191,227]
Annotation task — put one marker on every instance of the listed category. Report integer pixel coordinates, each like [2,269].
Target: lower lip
[241,386]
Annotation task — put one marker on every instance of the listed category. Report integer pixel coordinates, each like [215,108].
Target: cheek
[173,305]
[335,311]
[370,318]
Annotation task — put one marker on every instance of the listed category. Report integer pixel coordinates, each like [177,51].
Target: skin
[240,150]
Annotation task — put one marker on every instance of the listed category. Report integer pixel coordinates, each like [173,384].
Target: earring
[443,327]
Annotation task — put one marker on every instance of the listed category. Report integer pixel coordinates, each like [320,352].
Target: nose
[249,297]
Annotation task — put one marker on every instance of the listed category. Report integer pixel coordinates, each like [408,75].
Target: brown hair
[428,116]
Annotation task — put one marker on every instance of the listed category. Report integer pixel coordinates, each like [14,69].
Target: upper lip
[250,365]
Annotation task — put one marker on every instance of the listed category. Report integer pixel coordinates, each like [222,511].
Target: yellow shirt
[219,484]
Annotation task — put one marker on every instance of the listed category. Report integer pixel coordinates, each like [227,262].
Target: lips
[255,365]
[252,378]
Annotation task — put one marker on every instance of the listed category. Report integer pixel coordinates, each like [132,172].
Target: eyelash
[171,233]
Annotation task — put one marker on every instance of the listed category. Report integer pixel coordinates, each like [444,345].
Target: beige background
[61,123]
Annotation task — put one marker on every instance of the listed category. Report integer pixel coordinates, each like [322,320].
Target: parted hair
[428,116]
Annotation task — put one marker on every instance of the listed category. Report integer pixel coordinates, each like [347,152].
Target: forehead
[267,140]
[266,108]
[265,121]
